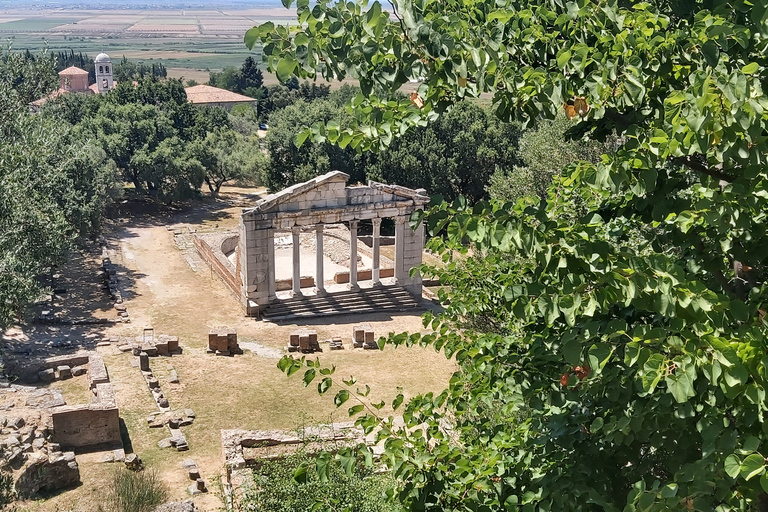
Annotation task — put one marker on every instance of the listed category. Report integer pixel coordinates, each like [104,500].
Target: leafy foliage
[298,483]
[226,156]
[455,155]
[290,163]
[545,151]
[625,367]
[54,188]
[25,76]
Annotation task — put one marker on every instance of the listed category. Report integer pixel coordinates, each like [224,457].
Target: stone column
[400,227]
[319,278]
[296,231]
[255,263]
[272,295]
[376,250]
[353,255]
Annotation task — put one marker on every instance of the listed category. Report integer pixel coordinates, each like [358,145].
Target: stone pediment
[329,191]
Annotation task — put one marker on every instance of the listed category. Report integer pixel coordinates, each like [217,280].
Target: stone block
[222,344]
[369,337]
[144,362]
[304,342]
[294,339]
[64,372]
[97,371]
[173,344]
[47,375]
[162,348]
[16,422]
[79,370]
[213,340]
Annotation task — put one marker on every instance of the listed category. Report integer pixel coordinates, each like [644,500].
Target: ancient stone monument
[223,342]
[311,205]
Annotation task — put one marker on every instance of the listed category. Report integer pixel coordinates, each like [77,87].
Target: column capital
[400,219]
[319,227]
[295,229]
[353,223]
[376,221]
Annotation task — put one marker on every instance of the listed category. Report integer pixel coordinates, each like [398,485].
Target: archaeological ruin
[313,206]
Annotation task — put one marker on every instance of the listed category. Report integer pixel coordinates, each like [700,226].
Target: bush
[275,488]
[136,491]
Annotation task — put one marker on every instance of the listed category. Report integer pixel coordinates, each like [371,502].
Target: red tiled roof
[209,94]
[72,71]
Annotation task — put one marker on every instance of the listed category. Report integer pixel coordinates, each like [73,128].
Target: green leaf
[397,401]
[669,490]
[252,37]
[324,385]
[680,385]
[732,466]
[752,466]
[764,481]
[321,465]
[284,68]
[355,409]
[711,53]
[751,68]
[599,353]
[300,475]
[309,376]
[341,397]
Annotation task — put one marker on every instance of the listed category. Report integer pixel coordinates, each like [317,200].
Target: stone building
[310,206]
[74,79]
[104,80]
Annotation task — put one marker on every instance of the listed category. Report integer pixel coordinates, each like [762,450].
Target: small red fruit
[564,379]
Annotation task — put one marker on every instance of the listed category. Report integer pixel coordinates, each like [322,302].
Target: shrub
[293,483]
[139,491]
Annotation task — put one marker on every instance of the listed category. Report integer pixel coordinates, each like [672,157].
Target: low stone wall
[86,425]
[282,285]
[363,275]
[211,249]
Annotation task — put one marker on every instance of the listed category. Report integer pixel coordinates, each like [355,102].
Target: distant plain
[188,42]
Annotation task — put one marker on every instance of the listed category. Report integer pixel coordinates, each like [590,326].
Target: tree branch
[698,166]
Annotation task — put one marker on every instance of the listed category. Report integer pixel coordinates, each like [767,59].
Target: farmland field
[196,41]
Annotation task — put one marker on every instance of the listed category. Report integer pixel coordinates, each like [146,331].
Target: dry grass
[75,390]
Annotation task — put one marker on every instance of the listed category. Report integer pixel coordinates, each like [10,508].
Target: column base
[376,284]
[296,294]
[354,287]
[320,292]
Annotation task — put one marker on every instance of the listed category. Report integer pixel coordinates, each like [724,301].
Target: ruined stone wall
[216,259]
[86,425]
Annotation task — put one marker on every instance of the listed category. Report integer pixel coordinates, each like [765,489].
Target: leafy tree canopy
[625,365]
[54,188]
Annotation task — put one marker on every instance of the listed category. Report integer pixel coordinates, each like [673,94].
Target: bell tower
[104,80]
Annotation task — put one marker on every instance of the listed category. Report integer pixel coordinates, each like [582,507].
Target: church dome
[102,57]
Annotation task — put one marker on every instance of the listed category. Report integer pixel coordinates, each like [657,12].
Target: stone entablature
[310,205]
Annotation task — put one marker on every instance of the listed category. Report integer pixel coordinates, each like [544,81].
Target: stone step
[368,295]
[390,298]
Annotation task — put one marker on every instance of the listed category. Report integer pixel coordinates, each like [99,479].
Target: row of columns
[319,276]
